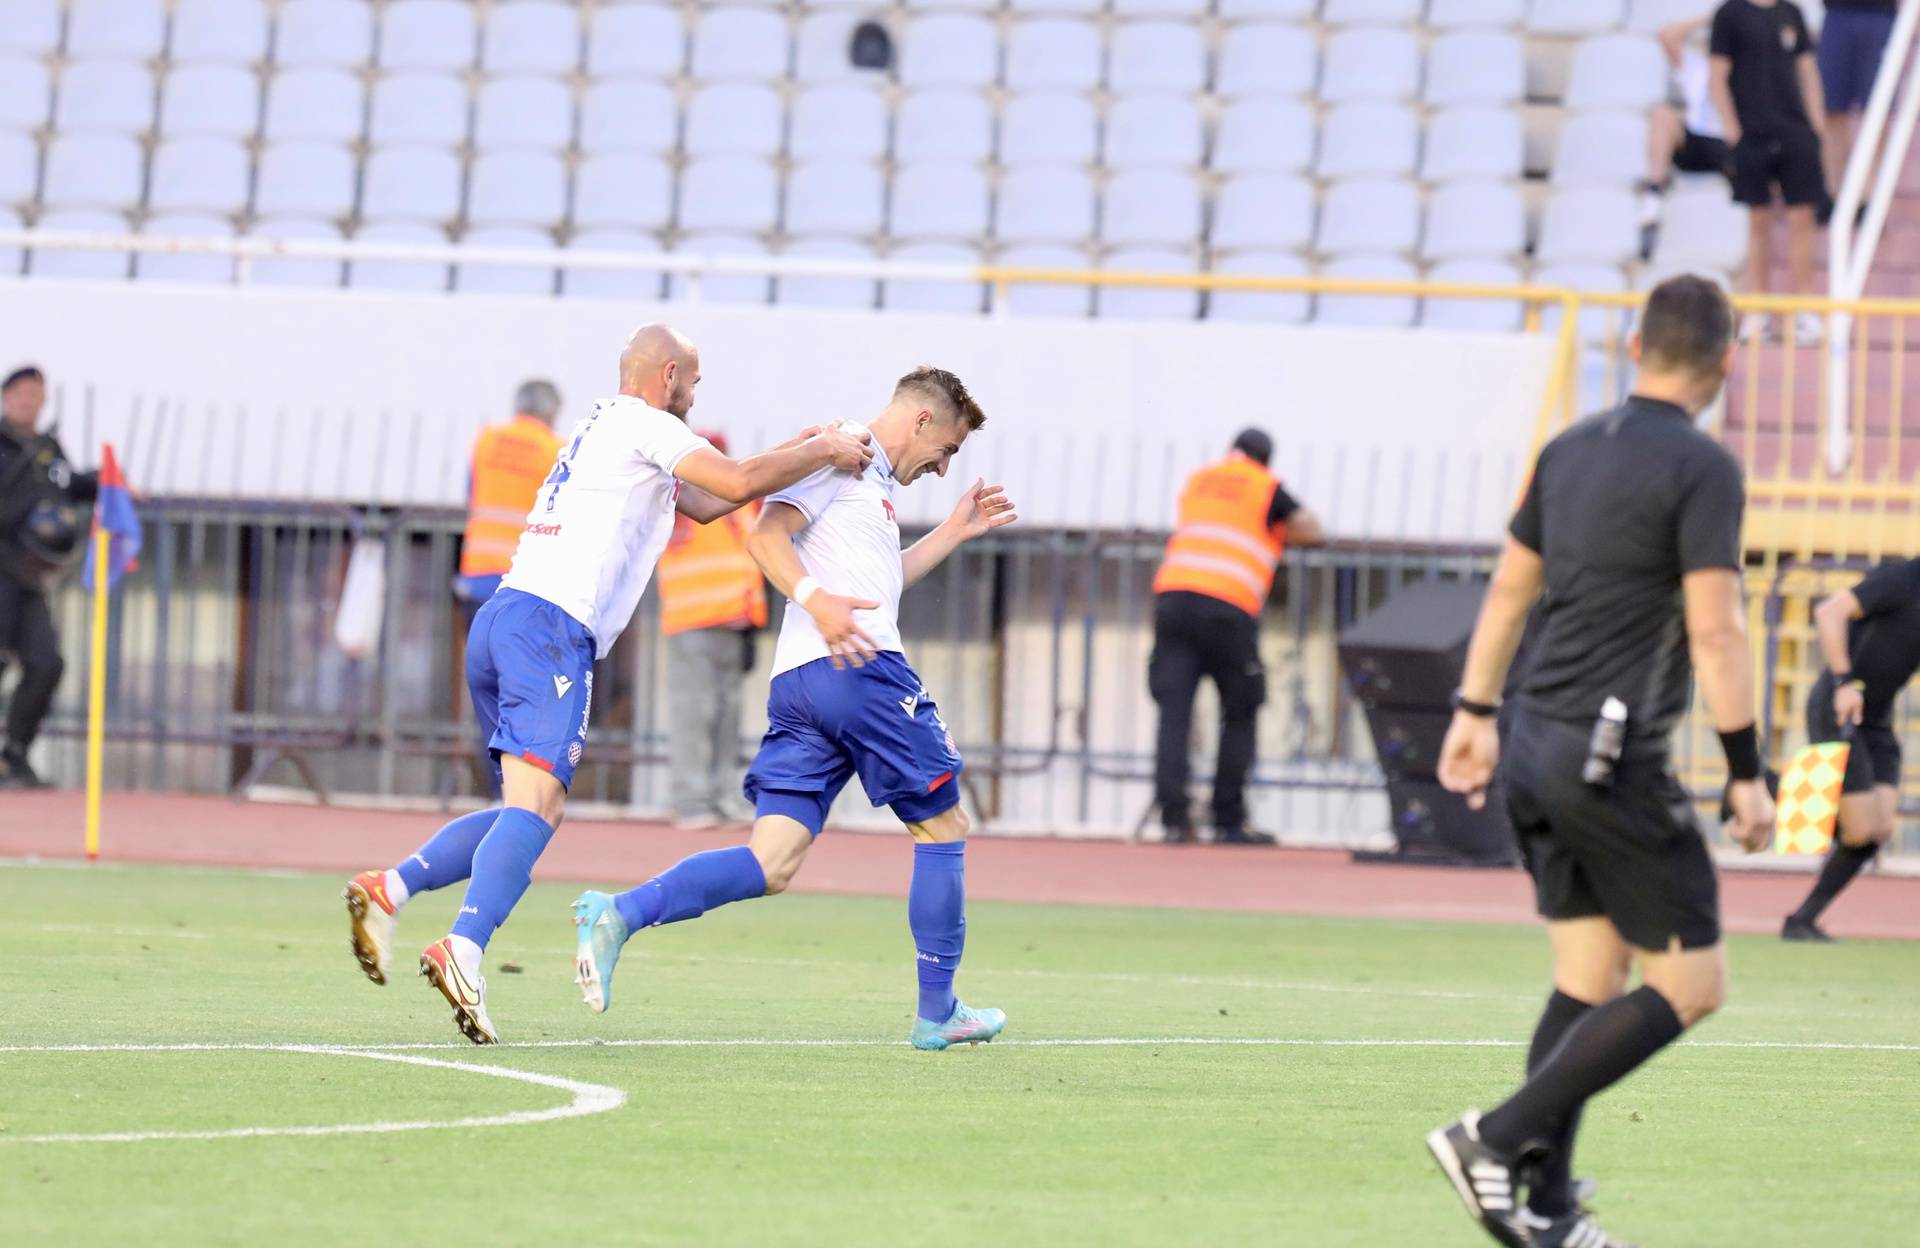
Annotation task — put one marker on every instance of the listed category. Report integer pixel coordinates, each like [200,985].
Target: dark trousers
[26,629]
[1195,636]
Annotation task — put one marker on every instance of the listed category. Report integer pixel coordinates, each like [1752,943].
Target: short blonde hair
[940,385]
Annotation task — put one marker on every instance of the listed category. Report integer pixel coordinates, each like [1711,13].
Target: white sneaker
[467,996]
[1809,328]
[1756,327]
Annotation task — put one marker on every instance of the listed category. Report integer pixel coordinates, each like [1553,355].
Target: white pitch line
[588,1098]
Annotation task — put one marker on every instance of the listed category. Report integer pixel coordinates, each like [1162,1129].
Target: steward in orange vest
[1235,521]
[510,461]
[707,579]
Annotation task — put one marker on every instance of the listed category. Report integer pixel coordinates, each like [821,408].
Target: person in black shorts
[1629,535]
[1766,87]
[1870,636]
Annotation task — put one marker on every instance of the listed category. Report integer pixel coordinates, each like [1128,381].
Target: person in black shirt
[1629,536]
[42,522]
[1767,89]
[1853,40]
[1870,636]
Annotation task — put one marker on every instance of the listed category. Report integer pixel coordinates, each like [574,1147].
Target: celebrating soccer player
[1631,527]
[590,544]
[845,702]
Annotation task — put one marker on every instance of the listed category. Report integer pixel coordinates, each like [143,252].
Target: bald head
[661,366]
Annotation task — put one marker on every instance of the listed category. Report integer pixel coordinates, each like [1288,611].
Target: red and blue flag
[113,511]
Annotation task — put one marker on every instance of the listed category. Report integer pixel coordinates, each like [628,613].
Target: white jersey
[851,545]
[604,516]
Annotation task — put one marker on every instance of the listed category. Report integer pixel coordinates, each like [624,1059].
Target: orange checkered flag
[1809,804]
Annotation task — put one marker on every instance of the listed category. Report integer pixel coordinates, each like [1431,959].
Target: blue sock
[502,869]
[448,857]
[693,886]
[937,913]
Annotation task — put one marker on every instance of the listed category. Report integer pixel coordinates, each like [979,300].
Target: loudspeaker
[1435,826]
[1408,654]
[1407,743]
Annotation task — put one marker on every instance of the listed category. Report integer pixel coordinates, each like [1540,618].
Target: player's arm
[1304,529]
[738,482]
[1831,620]
[1716,613]
[1673,38]
[771,545]
[1471,751]
[1720,88]
[1811,90]
[980,510]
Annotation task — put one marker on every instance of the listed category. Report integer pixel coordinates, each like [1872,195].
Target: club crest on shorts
[574,752]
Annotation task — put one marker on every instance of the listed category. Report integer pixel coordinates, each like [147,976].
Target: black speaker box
[1408,654]
[1433,825]
[1407,743]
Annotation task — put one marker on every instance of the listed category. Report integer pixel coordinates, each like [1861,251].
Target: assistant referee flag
[114,512]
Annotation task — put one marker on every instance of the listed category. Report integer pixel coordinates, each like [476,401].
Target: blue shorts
[824,725]
[1851,48]
[530,671]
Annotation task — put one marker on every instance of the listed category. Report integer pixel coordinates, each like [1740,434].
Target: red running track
[206,831]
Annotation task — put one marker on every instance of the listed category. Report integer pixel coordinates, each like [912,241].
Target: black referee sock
[1843,863]
[1551,1193]
[1598,1051]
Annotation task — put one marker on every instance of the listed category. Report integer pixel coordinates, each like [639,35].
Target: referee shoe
[1575,1230]
[1487,1182]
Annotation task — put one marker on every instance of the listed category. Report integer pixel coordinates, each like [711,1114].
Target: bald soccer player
[596,531]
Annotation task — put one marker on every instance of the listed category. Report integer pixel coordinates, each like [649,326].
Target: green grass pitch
[1016,1143]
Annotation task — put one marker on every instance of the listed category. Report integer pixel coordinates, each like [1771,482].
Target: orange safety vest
[510,461]
[708,580]
[1223,546]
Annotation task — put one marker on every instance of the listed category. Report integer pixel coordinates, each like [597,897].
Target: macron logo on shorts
[910,705]
[560,686]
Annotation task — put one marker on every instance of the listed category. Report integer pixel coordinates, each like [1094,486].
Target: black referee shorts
[1631,852]
[1875,756]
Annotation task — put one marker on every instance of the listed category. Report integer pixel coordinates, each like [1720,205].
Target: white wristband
[806,589]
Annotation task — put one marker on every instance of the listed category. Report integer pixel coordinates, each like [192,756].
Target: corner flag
[114,513]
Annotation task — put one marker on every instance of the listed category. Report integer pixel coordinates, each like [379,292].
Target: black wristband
[1743,753]
[1480,710]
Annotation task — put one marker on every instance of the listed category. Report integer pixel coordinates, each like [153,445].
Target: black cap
[1255,445]
[25,373]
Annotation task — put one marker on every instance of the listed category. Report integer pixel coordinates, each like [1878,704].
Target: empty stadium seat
[28,100]
[318,103]
[1053,54]
[1649,16]
[1467,14]
[518,188]
[92,171]
[336,33]
[80,263]
[740,45]
[1157,56]
[523,112]
[1044,204]
[1154,130]
[1268,10]
[19,167]
[1267,60]
[622,191]
[945,201]
[930,295]
[1150,207]
[1368,140]
[228,32]
[943,125]
[1161,8]
[427,35]
[1054,128]
[531,38]
[1477,220]
[628,117]
[1370,63]
[12,260]
[840,197]
[735,119]
[1703,228]
[209,100]
[114,97]
[295,271]
[847,121]
[192,267]
[1375,215]
[32,27]
[1375,12]
[303,178]
[1617,71]
[641,40]
[1574,17]
[613,283]
[1266,134]
[1475,143]
[416,276]
[728,195]
[1596,324]
[505,279]
[1049,298]
[1589,225]
[1263,212]
[823,48]
[411,184]
[130,30]
[745,288]
[1147,303]
[1490,315]
[1022,7]
[1601,149]
[806,290]
[425,109]
[1476,67]
[1267,307]
[949,50]
[205,175]
[1369,311]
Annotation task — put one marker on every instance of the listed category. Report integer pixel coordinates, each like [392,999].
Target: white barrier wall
[1396,436]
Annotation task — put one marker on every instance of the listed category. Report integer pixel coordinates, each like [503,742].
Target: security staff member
[43,520]
[1870,636]
[1631,530]
[1235,521]
[712,602]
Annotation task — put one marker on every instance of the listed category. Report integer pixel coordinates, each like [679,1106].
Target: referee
[1631,530]
[1870,636]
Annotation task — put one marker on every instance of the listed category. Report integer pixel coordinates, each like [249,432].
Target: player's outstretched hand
[982,509]
[849,450]
[846,641]
[1752,823]
[1468,757]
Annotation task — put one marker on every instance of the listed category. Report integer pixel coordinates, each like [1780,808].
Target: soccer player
[844,702]
[1870,636]
[596,530]
[1631,527]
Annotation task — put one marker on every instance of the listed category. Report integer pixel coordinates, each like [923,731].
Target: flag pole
[97,691]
